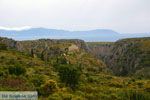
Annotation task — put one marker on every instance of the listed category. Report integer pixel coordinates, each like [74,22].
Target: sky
[124,16]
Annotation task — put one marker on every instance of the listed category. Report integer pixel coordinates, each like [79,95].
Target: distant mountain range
[90,36]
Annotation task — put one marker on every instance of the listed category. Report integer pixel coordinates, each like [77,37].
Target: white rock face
[73,48]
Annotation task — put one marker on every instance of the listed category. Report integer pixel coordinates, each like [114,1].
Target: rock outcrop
[101,50]
[41,44]
[125,57]
[71,51]
[12,44]
[131,57]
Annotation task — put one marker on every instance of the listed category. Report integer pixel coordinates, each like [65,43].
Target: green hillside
[65,72]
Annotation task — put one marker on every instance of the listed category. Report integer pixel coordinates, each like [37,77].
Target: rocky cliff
[72,51]
[101,50]
[41,44]
[11,44]
[125,57]
[131,57]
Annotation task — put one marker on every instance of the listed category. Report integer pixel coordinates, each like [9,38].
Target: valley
[71,69]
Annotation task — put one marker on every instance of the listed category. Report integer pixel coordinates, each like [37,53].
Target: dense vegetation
[66,74]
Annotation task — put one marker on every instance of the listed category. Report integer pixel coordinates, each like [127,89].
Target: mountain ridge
[89,35]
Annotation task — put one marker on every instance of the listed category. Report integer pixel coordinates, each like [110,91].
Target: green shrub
[54,97]
[3,46]
[16,70]
[135,95]
[140,84]
[31,64]
[92,79]
[37,80]
[2,73]
[69,74]
[2,57]
[116,84]
[61,60]
[49,87]
[64,96]
[67,96]
[12,61]
[91,69]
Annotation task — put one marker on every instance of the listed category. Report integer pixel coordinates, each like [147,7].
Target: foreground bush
[135,95]
[3,46]
[16,70]
[69,74]
[49,87]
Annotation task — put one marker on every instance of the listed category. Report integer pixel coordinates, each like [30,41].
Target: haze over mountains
[91,35]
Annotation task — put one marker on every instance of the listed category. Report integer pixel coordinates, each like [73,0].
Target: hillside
[125,57]
[28,71]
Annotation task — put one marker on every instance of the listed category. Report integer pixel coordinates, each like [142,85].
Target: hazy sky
[120,15]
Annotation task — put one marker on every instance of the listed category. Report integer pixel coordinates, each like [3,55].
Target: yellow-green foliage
[93,85]
[85,61]
[144,45]
[3,47]
[76,57]
[49,87]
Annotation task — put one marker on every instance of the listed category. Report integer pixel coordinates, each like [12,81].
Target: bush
[16,70]
[67,96]
[61,60]
[69,74]
[3,46]
[49,87]
[91,69]
[55,96]
[38,80]
[2,73]
[116,84]
[92,79]
[135,95]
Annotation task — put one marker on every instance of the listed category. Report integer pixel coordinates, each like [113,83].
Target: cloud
[125,16]
[15,28]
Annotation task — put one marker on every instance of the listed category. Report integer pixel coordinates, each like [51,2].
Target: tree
[69,74]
